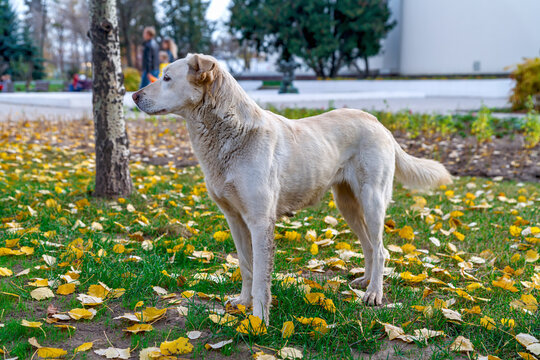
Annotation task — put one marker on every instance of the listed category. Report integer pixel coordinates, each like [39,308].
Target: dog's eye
[166,78]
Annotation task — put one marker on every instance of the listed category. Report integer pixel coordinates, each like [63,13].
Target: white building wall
[390,51]
[449,36]
[387,60]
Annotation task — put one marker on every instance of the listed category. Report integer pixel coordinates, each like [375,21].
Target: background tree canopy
[18,54]
[133,17]
[186,24]
[326,34]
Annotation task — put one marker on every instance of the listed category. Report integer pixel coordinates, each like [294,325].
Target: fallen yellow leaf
[408,276]
[66,289]
[83,347]
[319,325]
[137,328]
[31,324]
[252,325]
[487,322]
[98,290]
[531,256]
[178,346]
[77,314]
[406,233]
[506,283]
[47,352]
[221,236]
[150,314]
[287,330]
[515,231]
[225,319]
[5,272]
[314,298]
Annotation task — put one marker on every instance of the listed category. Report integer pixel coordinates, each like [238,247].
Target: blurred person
[150,57]
[5,83]
[75,84]
[163,61]
[170,47]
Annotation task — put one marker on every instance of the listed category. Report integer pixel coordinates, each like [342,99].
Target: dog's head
[183,85]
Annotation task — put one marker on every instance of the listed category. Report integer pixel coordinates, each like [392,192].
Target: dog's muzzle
[136,96]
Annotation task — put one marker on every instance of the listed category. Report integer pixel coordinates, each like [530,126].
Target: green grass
[55,184]
[54,85]
[415,124]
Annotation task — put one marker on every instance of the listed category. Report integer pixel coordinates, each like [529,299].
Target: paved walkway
[442,96]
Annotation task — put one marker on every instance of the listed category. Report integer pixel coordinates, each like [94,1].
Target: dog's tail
[417,173]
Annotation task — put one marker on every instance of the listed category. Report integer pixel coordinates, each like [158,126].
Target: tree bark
[61,49]
[112,145]
[366,62]
[124,15]
[43,34]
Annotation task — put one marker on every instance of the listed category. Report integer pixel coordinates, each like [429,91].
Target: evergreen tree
[18,54]
[363,28]
[185,22]
[325,34]
[29,55]
[9,31]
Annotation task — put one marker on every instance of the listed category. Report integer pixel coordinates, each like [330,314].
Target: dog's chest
[225,194]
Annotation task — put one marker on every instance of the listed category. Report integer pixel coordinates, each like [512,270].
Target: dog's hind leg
[374,198]
[352,212]
[242,240]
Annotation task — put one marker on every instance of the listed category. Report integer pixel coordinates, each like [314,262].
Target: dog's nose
[135,96]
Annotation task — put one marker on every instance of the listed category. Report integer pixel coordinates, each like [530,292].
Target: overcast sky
[216,10]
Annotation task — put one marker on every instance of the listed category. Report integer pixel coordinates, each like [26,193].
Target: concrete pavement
[443,96]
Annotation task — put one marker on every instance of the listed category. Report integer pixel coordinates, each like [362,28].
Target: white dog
[259,166]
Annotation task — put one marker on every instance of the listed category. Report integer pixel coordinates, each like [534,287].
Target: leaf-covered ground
[113,278]
[163,140]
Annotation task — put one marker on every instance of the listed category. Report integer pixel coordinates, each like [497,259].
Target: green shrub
[531,129]
[482,127]
[297,113]
[445,126]
[132,79]
[527,76]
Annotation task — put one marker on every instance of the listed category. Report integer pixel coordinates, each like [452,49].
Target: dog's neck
[222,124]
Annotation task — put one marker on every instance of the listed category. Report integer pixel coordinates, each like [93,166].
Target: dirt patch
[398,350]
[506,157]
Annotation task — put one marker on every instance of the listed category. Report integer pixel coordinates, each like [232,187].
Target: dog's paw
[262,312]
[373,297]
[240,300]
[362,282]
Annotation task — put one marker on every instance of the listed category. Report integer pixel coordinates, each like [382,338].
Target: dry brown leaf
[41,293]
[462,344]
[114,353]
[290,353]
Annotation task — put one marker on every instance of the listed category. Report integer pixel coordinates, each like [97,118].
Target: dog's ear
[201,69]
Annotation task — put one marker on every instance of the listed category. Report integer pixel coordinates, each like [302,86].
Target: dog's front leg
[242,241]
[262,236]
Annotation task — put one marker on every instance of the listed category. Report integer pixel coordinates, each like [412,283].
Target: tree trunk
[335,66]
[366,70]
[61,50]
[357,68]
[124,19]
[43,31]
[112,145]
